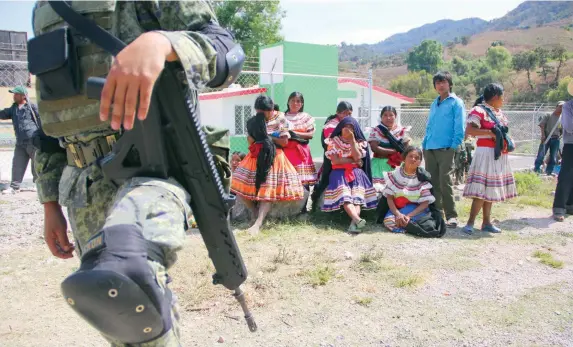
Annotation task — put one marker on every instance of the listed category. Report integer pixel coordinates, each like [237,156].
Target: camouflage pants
[160,207]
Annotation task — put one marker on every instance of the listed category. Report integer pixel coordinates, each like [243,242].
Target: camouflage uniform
[160,207]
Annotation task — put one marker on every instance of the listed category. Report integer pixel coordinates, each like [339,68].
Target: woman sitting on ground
[266,176]
[490,178]
[387,141]
[408,195]
[350,184]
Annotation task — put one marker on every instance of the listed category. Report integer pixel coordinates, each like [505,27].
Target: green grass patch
[363,301]
[320,276]
[547,259]
[408,280]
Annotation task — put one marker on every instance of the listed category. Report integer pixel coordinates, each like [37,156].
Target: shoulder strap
[88,28]
[490,114]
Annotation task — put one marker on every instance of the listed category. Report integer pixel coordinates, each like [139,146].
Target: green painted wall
[320,93]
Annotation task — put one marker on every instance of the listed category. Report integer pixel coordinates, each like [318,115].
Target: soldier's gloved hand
[55,231]
[133,74]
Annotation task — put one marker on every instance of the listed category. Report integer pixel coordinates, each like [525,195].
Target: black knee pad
[116,291]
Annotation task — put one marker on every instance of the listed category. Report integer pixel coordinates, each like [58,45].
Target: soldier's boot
[116,289]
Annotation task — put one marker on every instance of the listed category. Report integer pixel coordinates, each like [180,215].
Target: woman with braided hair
[265,175]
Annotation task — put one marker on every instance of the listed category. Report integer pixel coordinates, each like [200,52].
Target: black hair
[296,95]
[276,108]
[388,108]
[264,103]
[491,90]
[267,154]
[343,106]
[412,149]
[443,76]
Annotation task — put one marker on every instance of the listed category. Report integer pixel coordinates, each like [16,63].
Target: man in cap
[563,200]
[25,119]
[551,133]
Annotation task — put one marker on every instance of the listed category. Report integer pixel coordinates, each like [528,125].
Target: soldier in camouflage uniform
[155,32]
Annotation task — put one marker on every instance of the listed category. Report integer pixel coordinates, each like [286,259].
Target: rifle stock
[171,143]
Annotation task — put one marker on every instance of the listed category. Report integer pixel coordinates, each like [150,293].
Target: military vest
[78,114]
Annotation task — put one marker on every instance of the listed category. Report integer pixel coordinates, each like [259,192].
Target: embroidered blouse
[343,149]
[377,135]
[406,188]
[301,122]
[479,117]
[278,122]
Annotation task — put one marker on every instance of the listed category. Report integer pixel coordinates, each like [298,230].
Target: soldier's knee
[117,291]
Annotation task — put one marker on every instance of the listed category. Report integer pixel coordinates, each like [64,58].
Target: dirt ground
[310,284]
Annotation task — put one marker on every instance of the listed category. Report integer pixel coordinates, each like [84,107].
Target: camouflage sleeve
[49,168]
[180,22]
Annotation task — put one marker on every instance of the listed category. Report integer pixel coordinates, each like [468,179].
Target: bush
[527,183]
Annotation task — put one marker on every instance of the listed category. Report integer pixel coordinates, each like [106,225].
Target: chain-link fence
[231,107]
[523,123]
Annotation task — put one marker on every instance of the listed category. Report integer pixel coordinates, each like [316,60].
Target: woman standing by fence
[490,178]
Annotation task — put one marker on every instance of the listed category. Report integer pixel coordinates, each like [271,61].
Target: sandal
[468,229]
[490,228]
[361,224]
[558,217]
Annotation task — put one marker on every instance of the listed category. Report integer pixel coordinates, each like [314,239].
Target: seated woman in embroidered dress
[265,175]
[408,198]
[387,141]
[349,181]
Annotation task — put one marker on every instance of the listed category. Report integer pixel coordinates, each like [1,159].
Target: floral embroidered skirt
[282,183]
[358,192]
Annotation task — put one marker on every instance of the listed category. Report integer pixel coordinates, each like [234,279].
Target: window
[242,115]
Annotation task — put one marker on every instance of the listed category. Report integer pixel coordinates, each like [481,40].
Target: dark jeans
[553,147]
[23,153]
[440,164]
[563,201]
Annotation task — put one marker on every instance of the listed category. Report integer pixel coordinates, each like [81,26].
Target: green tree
[460,66]
[558,53]
[543,56]
[525,61]
[412,84]
[254,23]
[498,57]
[427,56]
[465,40]
[560,93]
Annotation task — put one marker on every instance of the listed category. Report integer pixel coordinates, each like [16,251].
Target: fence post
[272,82]
[370,86]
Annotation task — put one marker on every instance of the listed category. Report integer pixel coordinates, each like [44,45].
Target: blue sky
[334,21]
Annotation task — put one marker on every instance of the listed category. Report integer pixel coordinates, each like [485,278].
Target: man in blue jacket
[445,131]
[24,116]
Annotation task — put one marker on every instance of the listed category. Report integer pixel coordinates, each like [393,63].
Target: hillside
[518,40]
[443,30]
[528,15]
[533,14]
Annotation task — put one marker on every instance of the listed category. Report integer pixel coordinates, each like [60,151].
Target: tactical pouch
[52,57]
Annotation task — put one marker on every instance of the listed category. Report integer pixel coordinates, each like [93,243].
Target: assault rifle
[170,143]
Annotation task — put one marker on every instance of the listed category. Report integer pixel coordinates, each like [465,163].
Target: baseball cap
[561,103]
[19,90]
